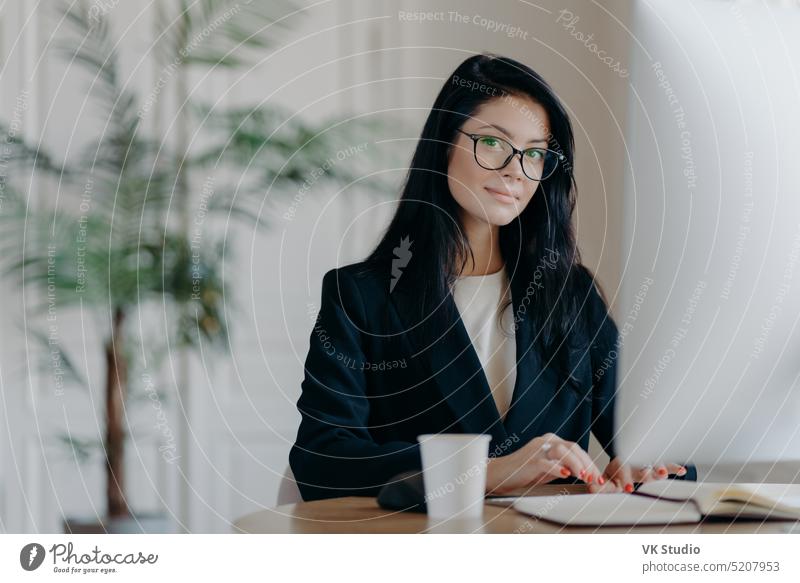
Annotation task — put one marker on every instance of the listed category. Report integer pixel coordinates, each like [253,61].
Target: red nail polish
[601,480]
[590,478]
[662,472]
[629,488]
[582,474]
[564,472]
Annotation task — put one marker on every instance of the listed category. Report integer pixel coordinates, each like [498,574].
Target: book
[607,510]
[781,501]
[667,502]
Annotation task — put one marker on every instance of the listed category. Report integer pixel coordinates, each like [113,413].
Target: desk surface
[363,515]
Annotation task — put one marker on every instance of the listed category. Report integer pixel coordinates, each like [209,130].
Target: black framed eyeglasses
[493,153]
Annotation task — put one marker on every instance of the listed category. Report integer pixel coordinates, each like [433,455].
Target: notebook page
[607,510]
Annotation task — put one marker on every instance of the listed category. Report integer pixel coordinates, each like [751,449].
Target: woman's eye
[535,154]
[490,142]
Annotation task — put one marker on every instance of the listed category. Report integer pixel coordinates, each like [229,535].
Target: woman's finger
[540,471]
[622,476]
[593,473]
[661,472]
[645,474]
[607,487]
[676,469]
[549,470]
[568,458]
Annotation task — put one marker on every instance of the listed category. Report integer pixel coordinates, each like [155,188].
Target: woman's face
[496,197]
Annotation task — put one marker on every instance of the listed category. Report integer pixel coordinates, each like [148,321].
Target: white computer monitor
[709,308]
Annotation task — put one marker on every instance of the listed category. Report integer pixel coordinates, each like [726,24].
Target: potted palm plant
[118,239]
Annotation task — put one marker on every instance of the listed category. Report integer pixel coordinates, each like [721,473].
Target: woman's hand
[621,477]
[542,459]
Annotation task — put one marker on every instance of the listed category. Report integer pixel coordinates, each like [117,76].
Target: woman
[473,314]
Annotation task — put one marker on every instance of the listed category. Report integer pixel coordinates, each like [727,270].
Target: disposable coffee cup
[454,473]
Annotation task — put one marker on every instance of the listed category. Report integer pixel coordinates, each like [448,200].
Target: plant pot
[146,523]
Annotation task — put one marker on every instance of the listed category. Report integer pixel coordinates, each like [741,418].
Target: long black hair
[537,247]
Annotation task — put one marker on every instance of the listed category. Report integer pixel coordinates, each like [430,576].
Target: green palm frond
[236,27]
[115,240]
[86,39]
[53,352]
[284,151]
[82,448]
[20,157]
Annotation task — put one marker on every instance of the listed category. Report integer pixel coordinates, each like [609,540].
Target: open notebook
[667,502]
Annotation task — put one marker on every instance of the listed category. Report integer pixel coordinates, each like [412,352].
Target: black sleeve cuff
[691,473]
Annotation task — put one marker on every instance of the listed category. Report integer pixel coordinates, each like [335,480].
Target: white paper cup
[454,473]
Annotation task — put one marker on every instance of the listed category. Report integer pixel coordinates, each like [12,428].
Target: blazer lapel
[459,375]
[538,382]
[454,364]
[532,390]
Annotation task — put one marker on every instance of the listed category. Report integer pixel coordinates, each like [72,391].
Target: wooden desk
[363,515]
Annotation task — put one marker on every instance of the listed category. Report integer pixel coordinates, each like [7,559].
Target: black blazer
[371,388]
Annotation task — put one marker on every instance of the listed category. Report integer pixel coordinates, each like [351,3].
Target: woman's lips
[501,196]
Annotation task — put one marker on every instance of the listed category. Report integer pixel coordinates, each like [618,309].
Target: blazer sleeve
[334,454]
[605,347]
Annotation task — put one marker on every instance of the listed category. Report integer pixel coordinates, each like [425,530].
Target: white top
[478,299]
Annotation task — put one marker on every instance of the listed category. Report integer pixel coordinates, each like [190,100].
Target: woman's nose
[513,169]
